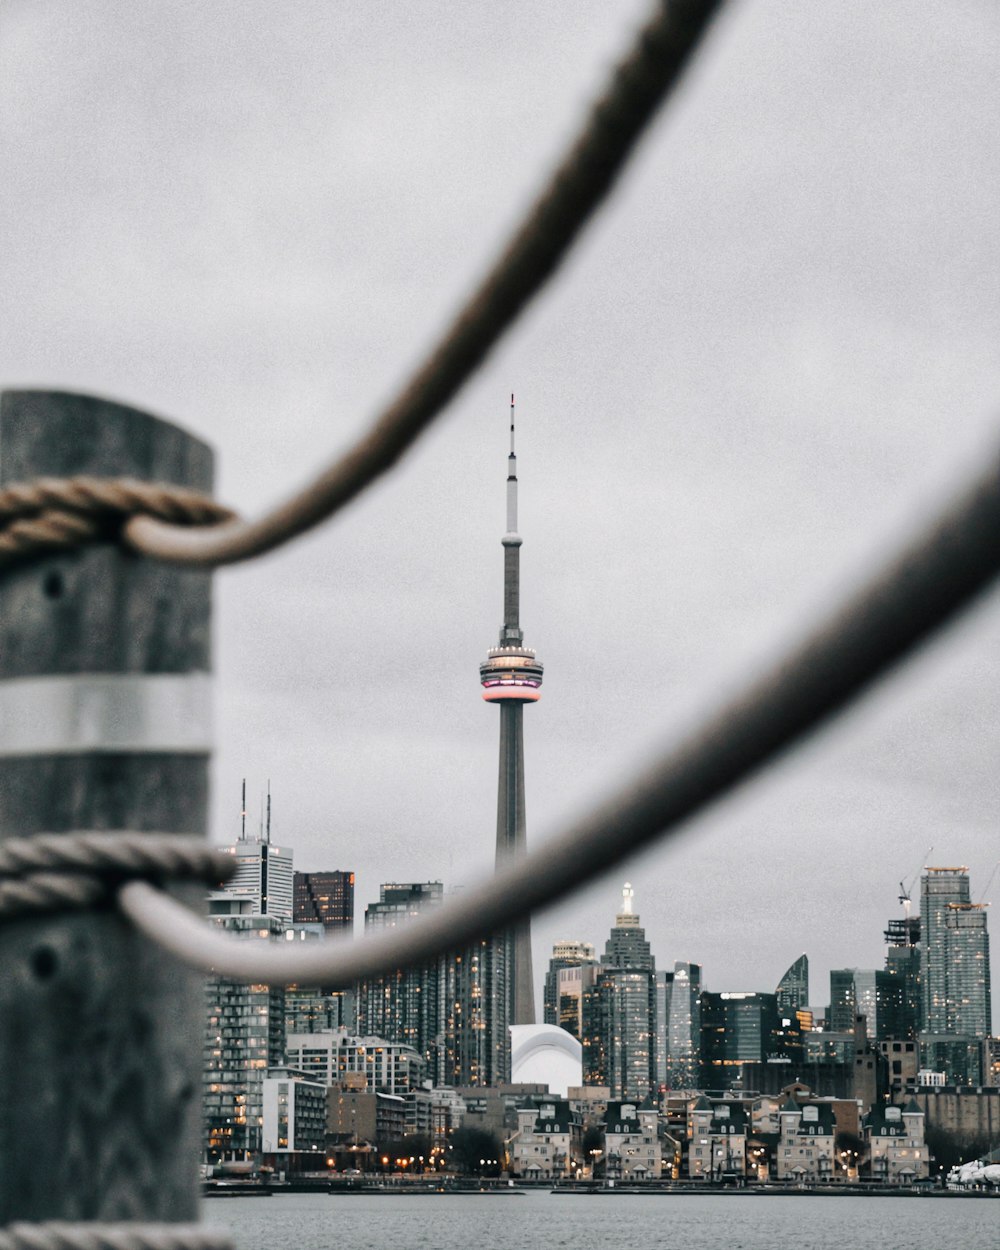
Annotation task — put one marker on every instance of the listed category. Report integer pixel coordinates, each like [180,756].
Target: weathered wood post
[104,724]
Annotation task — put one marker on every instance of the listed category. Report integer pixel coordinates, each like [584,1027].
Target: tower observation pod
[511,676]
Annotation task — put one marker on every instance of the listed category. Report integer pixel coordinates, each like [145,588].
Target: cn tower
[511,677]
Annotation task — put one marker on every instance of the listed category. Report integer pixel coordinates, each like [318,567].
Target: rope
[929,578]
[59,871]
[576,188]
[57,1235]
[60,513]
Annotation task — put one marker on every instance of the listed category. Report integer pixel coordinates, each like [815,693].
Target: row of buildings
[419,1035]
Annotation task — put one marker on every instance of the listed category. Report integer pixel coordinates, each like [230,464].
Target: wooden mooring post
[104,724]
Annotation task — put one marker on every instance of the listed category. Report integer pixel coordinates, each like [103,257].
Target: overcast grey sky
[774,348]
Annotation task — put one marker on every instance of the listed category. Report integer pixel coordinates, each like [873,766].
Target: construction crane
[905,891]
[982,897]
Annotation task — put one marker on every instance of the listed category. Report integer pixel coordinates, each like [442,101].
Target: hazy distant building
[325,898]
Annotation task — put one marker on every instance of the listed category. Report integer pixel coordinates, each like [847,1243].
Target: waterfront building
[902,1059]
[331,1057]
[475,1029]
[897,1153]
[619,1044]
[244,1036]
[958,1057]
[570,975]
[358,1121]
[293,1134]
[632,1148]
[325,898]
[955,956]
[792,992]
[806,1150]
[511,676]
[717,1139]
[548,1143]
[969,1116]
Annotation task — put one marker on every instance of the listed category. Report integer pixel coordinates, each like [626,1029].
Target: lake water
[543,1221]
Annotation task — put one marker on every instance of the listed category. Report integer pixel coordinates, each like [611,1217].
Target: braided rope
[52,514]
[59,1235]
[60,871]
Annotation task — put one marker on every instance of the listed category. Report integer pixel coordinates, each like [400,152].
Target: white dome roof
[543,1054]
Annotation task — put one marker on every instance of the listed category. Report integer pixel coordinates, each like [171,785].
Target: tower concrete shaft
[512,676]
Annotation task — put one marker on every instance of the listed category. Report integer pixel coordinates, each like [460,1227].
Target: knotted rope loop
[60,871]
[51,514]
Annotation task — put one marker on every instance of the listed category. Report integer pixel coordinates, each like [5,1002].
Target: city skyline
[767,355]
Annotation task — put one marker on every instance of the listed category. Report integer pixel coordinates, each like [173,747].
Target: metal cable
[574,191]
[59,1235]
[933,575]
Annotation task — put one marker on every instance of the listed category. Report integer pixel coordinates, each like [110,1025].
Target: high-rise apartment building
[955,956]
[244,1036]
[682,1034]
[902,963]
[325,898]
[571,973]
[404,1006]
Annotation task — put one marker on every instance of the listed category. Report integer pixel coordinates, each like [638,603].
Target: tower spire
[511,676]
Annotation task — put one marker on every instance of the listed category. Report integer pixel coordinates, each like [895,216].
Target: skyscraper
[902,963]
[325,898]
[264,871]
[570,975]
[619,1042]
[792,992]
[955,956]
[682,1040]
[404,1006]
[512,676]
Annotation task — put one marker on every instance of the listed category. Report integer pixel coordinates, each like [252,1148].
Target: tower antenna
[243,813]
[268,838]
[511,676]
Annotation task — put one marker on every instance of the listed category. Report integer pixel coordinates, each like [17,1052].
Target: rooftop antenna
[268,838]
[243,813]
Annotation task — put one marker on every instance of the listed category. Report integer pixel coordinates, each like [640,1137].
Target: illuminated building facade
[244,1036]
[792,991]
[511,676]
[263,876]
[404,1006]
[325,898]
[902,963]
[619,1041]
[570,975]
